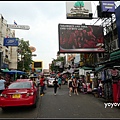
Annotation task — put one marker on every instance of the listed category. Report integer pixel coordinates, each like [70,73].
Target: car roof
[51,78]
[22,80]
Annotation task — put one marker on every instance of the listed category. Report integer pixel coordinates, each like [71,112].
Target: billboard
[10,41]
[75,38]
[37,65]
[78,10]
[117,14]
[107,6]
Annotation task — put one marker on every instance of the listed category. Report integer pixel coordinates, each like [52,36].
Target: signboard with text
[75,38]
[10,41]
[13,26]
[78,10]
[107,6]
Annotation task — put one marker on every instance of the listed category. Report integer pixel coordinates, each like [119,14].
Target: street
[64,106]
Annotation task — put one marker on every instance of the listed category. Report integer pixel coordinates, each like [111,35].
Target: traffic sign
[13,26]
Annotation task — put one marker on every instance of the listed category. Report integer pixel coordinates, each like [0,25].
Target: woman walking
[70,85]
[75,85]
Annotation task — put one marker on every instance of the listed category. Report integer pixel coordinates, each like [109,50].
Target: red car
[22,92]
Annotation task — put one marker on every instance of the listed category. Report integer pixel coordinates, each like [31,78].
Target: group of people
[73,85]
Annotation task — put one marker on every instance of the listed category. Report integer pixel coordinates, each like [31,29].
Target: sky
[43,18]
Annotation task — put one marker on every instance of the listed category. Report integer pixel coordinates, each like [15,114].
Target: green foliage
[24,55]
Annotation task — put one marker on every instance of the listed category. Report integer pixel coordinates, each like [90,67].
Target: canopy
[99,68]
[5,70]
[14,71]
[87,68]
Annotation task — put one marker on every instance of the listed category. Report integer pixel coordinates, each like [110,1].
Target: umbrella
[16,71]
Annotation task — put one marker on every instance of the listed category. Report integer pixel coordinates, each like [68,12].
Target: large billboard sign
[11,42]
[78,10]
[75,38]
[117,14]
[107,6]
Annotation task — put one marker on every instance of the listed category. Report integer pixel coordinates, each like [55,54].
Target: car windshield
[51,79]
[20,85]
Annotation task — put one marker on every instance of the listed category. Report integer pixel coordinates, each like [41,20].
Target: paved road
[64,106]
[82,106]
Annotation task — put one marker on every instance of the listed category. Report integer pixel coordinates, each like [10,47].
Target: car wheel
[4,108]
[35,104]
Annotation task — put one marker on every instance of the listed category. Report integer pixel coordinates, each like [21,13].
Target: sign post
[13,26]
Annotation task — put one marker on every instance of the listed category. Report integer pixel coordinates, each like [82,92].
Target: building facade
[8,54]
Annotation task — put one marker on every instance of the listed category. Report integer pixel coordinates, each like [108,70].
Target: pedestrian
[84,87]
[2,84]
[75,85]
[70,85]
[55,82]
[59,82]
[42,84]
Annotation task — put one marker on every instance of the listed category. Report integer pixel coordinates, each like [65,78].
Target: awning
[115,55]
[99,68]
[88,68]
[14,71]
[5,70]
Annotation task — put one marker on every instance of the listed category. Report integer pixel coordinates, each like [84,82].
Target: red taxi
[22,92]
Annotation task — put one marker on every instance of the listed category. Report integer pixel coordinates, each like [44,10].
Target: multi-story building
[8,54]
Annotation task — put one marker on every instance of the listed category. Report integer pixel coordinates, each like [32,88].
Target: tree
[24,56]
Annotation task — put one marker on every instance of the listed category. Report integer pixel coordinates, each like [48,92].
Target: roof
[22,80]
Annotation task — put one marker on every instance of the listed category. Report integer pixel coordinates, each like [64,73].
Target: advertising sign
[75,38]
[13,26]
[117,14]
[107,6]
[10,41]
[78,10]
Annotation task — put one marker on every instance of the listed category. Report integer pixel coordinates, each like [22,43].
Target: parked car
[50,82]
[22,92]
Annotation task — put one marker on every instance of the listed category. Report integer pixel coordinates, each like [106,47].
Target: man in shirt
[2,84]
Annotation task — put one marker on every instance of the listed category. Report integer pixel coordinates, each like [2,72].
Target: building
[8,54]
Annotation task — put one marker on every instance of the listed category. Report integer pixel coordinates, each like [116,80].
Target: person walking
[55,82]
[42,84]
[70,85]
[75,85]
[59,82]
[2,84]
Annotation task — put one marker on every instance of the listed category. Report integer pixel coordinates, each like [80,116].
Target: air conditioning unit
[114,44]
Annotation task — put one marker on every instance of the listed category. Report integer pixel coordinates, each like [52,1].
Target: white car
[50,82]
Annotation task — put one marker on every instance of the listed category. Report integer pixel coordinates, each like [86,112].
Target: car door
[36,90]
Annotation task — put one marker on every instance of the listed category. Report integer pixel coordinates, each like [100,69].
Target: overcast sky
[43,18]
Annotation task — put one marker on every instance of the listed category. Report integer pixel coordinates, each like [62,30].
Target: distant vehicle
[50,82]
[53,75]
[22,92]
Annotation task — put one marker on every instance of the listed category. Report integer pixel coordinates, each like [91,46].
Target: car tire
[35,104]
[4,108]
